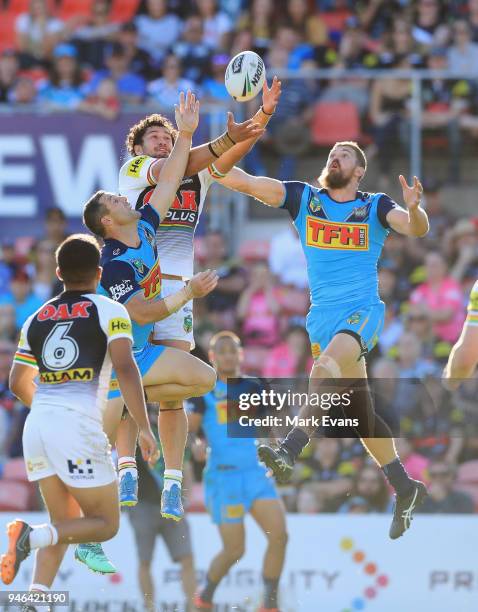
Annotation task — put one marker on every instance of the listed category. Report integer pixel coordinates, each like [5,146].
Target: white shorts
[178,326]
[63,442]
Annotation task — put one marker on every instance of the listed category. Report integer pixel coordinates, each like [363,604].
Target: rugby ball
[245,76]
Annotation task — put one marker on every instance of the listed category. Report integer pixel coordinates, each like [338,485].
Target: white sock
[39,587]
[172,477]
[43,535]
[127,464]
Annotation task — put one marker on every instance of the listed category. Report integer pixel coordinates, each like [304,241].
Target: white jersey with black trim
[175,235]
[67,341]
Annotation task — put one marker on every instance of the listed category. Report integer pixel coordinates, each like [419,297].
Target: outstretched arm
[270,100]
[269,191]
[414,221]
[172,171]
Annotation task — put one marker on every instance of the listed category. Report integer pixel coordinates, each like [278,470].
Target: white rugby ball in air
[245,75]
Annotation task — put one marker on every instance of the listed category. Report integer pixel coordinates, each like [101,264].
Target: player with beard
[342,231]
[150,142]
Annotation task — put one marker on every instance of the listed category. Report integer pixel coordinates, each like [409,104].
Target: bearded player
[342,231]
[149,142]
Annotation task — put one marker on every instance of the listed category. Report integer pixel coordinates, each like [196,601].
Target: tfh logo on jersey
[324,234]
[151,283]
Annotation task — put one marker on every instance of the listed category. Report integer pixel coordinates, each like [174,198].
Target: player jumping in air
[70,344]
[235,482]
[150,143]
[131,276]
[463,357]
[342,231]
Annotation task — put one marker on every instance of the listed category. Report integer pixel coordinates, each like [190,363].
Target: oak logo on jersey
[151,283]
[135,166]
[324,234]
[79,310]
[74,375]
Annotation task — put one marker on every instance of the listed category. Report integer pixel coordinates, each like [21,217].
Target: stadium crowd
[99,57]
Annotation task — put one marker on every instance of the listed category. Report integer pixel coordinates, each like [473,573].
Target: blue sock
[398,478]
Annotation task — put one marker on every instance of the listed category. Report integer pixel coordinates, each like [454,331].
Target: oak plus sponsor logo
[121,289]
[324,234]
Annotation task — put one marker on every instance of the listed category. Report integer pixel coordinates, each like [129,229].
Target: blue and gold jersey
[223,449]
[128,270]
[342,242]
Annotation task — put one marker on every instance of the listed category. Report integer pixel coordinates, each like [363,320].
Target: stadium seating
[74,8]
[254,250]
[14,469]
[335,121]
[123,10]
[467,480]
[7,31]
[14,495]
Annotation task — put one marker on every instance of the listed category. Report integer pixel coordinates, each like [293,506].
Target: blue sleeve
[384,205]
[293,197]
[150,215]
[118,281]
[196,405]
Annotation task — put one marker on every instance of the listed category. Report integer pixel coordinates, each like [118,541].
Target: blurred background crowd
[105,57]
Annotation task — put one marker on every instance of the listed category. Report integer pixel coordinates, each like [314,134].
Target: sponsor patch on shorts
[37,464]
[235,511]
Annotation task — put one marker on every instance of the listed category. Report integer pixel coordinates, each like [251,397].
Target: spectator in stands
[292,357]
[418,321]
[105,102]
[9,66]
[158,29]
[463,251]
[289,39]
[369,485]
[410,362]
[301,16]
[8,330]
[37,34]
[378,16]
[392,328]
[324,474]
[442,499]
[389,99]
[416,465]
[463,54]
[258,24]
[92,37]
[140,61]
[55,225]
[131,87]
[258,309]
[388,284]
[213,88]
[473,18]
[429,27]
[165,91]
[221,303]
[7,264]
[439,217]
[23,92]
[401,44]
[7,399]
[43,269]
[194,54]
[442,296]
[63,89]
[21,296]
[217,25]
[286,258]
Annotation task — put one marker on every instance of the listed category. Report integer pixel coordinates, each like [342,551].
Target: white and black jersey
[67,341]
[175,234]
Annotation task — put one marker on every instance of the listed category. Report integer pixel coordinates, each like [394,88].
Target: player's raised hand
[148,445]
[412,194]
[186,112]
[270,96]
[243,131]
[203,283]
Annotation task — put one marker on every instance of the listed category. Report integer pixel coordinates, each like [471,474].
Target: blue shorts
[363,322]
[144,359]
[231,493]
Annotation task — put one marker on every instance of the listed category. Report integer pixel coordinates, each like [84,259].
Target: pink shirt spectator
[282,362]
[261,326]
[417,467]
[445,295]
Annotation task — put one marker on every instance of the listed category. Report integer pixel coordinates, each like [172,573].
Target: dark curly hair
[137,131]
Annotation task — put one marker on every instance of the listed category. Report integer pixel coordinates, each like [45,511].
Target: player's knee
[234,553]
[277,538]
[206,379]
[328,365]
